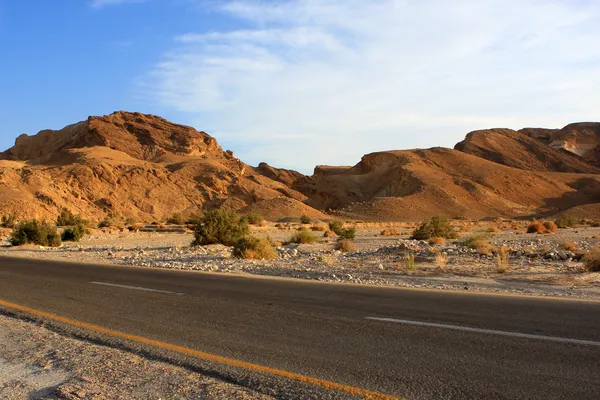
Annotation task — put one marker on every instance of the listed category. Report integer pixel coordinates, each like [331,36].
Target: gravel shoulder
[36,363]
[536,265]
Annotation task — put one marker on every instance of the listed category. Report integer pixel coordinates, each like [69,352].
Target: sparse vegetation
[304,236]
[219,226]
[74,233]
[479,242]
[347,233]
[437,240]
[409,261]
[319,227]
[67,218]
[550,227]
[536,227]
[435,227]
[176,219]
[253,218]
[8,221]
[254,248]
[305,219]
[566,221]
[336,226]
[441,260]
[568,245]
[390,232]
[591,261]
[345,245]
[502,259]
[35,232]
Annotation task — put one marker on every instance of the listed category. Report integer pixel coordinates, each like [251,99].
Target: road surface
[406,343]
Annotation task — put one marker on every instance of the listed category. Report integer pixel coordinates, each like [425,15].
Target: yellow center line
[207,356]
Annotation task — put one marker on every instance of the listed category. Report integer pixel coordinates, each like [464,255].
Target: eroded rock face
[519,150]
[581,138]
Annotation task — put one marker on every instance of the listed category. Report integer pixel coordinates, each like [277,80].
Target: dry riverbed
[548,264]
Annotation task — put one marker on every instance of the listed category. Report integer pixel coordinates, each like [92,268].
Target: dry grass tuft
[304,236]
[568,245]
[591,261]
[437,240]
[536,227]
[390,232]
[441,260]
[493,229]
[480,243]
[503,259]
[345,245]
[319,227]
[550,226]
[254,248]
[409,262]
[328,234]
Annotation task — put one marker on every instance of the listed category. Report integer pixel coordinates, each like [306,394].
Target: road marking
[135,288]
[489,331]
[354,391]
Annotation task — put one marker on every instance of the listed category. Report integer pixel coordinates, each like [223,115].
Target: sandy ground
[536,264]
[36,363]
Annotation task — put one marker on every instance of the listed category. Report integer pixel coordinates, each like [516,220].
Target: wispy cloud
[325,81]
[104,3]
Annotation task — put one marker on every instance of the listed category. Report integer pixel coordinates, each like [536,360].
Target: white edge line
[489,331]
[135,288]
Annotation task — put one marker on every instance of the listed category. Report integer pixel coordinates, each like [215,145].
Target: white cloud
[104,3]
[326,81]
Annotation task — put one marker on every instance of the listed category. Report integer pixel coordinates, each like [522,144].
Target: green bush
[254,248]
[347,233]
[435,227]
[8,221]
[336,226]
[67,218]
[305,219]
[219,226]
[304,236]
[175,219]
[566,221]
[253,218]
[73,234]
[36,232]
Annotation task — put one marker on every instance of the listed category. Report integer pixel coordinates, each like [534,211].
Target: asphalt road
[520,348]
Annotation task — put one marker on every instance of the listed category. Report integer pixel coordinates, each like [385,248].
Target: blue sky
[300,83]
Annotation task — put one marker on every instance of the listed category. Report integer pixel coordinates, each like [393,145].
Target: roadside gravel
[36,363]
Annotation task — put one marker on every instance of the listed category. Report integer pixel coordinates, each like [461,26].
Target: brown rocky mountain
[581,138]
[145,167]
[129,164]
[416,184]
[519,150]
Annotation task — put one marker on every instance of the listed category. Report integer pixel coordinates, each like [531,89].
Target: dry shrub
[479,242]
[503,259]
[493,229]
[328,234]
[409,262]
[437,240]
[254,248]
[441,260]
[569,245]
[536,227]
[390,232]
[591,261]
[345,245]
[319,227]
[304,236]
[550,227]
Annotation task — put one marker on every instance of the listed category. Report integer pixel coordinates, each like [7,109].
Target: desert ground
[495,256]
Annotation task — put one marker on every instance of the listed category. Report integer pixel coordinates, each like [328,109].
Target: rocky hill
[142,166]
[133,165]
[520,150]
